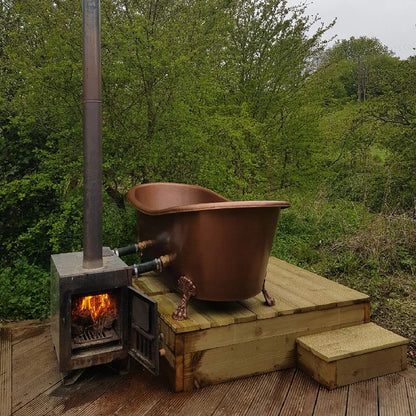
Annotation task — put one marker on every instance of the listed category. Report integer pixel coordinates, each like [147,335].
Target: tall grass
[339,237]
[312,225]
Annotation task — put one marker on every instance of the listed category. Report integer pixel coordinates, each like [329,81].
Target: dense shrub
[24,291]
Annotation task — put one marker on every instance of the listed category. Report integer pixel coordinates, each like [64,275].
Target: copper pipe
[92,244]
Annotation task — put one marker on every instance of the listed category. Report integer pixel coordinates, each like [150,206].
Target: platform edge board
[203,368]
[302,323]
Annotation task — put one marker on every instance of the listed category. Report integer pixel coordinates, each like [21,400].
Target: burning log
[93,313]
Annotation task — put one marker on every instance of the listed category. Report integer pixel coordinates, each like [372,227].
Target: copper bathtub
[220,248]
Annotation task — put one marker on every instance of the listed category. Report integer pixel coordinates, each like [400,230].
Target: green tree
[354,58]
[393,110]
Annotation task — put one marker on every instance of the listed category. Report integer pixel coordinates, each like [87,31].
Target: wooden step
[343,356]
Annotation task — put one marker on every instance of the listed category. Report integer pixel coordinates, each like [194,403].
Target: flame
[97,306]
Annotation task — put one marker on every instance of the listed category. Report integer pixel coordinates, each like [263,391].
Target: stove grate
[92,337]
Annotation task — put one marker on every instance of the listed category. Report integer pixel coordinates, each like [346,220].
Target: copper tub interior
[219,248]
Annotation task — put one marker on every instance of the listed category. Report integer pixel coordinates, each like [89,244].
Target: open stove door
[144,334]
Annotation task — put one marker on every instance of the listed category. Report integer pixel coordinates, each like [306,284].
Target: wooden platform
[225,341]
[30,384]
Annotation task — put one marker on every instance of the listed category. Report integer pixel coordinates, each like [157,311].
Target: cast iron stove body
[129,327]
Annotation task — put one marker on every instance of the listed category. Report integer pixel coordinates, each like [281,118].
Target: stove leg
[187,289]
[72,377]
[269,299]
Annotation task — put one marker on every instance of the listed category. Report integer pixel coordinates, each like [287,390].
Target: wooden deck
[30,384]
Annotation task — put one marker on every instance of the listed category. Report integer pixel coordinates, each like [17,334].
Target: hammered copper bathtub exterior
[220,245]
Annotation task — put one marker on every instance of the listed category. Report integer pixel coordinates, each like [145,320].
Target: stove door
[144,334]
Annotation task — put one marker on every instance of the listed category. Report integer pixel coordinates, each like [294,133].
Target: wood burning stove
[97,317]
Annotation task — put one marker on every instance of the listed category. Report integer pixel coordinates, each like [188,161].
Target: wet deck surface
[30,384]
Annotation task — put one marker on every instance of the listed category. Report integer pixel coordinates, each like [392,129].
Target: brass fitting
[167,259]
[142,245]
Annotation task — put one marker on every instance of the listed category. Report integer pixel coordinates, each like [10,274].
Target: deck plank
[271,393]
[294,324]
[169,405]
[25,341]
[5,371]
[23,330]
[167,304]
[283,281]
[245,389]
[142,399]
[393,399]
[224,313]
[315,288]
[363,398]
[205,401]
[410,378]
[70,400]
[152,284]
[197,403]
[301,398]
[257,306]
[134,393]
[34,368]
[331,402]
[50,401]
[288,299]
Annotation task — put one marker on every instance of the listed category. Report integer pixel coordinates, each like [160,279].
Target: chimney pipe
[92,245]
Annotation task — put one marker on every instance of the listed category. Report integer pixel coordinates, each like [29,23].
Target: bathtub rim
[222,204]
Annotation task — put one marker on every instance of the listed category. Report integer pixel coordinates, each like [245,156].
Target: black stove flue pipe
[92,244]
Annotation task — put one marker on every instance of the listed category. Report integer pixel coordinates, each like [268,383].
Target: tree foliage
[354,61]
[371,153]
[222,93]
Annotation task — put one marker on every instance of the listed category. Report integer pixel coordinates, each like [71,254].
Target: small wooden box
[221,341]
[344,356]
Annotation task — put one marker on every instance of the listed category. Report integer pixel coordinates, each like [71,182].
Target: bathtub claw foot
[187,289]
[269,299]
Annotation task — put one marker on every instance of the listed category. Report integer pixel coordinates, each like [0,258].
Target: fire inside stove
[94,320]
